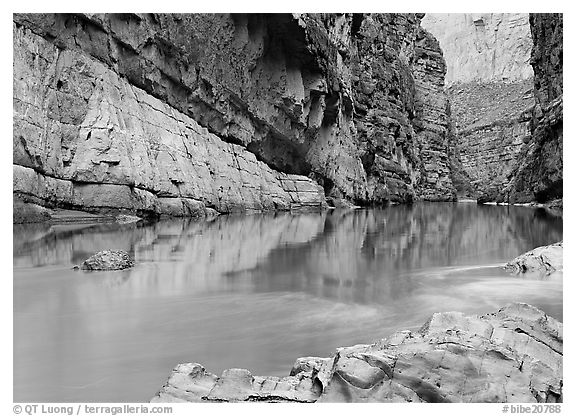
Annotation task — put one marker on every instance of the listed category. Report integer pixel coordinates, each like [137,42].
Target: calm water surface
[253,291]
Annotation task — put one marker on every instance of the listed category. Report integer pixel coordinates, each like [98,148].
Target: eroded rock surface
[108,260]
[538,174]
[542,260]
[161,114]
[86,138]
[489,82]
[505,86]
[434,177]
[492,124]
[514,355]
[483,47]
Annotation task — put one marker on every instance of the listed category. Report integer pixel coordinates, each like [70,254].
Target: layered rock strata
[86,138]
[489,82]
[434,178]
[491,125]
[483,47]
[508,117]
[514,355]
[174,114]
[539,170]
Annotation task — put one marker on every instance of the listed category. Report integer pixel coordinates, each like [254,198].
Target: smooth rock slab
[108,260]
[513,355]
[543,260]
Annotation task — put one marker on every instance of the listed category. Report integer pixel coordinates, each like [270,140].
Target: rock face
[400,110]
[108,260]
[483,47]
[514,355]
[489,82]
[491,124]
[173,114]
[542,260]
[539,170]
[434,180]
[507,116]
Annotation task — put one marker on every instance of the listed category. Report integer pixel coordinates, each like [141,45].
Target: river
[254,291]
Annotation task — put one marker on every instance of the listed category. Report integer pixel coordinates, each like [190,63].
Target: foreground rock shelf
[513,355]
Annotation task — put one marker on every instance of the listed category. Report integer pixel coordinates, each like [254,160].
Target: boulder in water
[108,260]
[543,260]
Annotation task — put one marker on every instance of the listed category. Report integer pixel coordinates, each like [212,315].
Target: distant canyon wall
[180,114]
[504,82]
[489,82]
[483,47]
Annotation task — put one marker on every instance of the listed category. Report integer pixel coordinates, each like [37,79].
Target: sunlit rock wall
[483,47]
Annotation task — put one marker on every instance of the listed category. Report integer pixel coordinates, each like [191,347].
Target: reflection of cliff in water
[365,255]
[348,255]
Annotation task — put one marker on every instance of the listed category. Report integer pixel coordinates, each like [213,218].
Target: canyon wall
[538,172]
[483,47]
[184,114]
[489,83]
[507,117]
[491,124]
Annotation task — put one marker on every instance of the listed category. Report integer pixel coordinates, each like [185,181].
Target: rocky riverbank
[513,355]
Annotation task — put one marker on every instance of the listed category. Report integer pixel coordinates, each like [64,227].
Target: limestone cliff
[434,181]
[483,47]
[491,124]
[180,114]
[507,117]
[538,173]
[489,82]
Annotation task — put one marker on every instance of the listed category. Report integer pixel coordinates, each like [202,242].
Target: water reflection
[253,291]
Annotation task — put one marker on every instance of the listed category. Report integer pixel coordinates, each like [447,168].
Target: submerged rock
[545,260]
[127,219]
[108,260]
[514,355]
